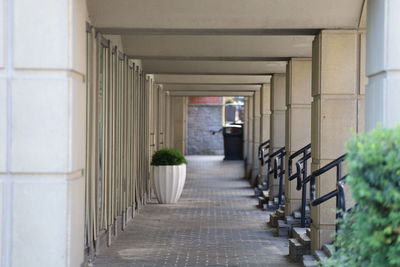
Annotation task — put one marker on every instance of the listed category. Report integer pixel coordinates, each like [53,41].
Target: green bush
[168,156]
[370,233]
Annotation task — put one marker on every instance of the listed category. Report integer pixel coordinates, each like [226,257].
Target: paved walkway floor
[215,223]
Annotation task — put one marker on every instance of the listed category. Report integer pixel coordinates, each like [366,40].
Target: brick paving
[215,223]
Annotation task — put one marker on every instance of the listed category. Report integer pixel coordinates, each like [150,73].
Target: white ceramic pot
[168,182]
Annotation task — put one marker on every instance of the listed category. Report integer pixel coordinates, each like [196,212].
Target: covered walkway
[215,223]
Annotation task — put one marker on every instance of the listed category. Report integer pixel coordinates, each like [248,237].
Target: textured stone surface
[201,120]
[215,223]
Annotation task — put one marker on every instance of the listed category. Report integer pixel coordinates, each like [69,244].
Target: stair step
[310,261]
[296,214]
[271,205]
[297,250]
[320,255]
[292,221]
[273,220]
[283,229]
[329,249]
[298,231]
[308,232]
[305,240]
[280,213]
[261,202]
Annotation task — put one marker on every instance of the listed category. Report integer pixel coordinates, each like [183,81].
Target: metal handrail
[303,151]
[261,148]
[263,152]
[279,170]
[301,174]
[340,195]
[311,178]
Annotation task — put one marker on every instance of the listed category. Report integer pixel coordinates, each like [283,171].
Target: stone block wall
[202,119]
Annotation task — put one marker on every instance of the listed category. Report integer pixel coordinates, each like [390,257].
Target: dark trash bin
[233,142]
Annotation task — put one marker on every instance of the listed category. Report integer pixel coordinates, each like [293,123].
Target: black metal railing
[340,195]
[301,174]
[263,151]
[279,170]
[338,164]
[263,155]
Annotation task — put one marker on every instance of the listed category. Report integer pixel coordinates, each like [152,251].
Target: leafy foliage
[167,156]
[370,233]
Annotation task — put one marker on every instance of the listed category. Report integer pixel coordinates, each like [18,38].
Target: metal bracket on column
[88,27]
[121,56]
[104,42]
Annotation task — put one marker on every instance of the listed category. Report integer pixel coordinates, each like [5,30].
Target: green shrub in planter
[370,234]
[168,156]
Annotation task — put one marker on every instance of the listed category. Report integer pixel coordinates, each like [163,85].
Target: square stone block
[319,237]
[278,92]
[2,218]
[3,124]
[78,125]
[76,216]
[300,127]
[278,129]
[43,202]
[48,42]
[2,34]
[333,126]
[300,84]
[43,124]
[338,57]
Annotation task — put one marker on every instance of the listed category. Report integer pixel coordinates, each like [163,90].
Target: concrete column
[42,132]
[278,108]
[337,88]
[167,118]
[298,120]
[161,117]
[256,135]
[178,122]
[249,160]
[265,112]
[265,126]
[383,64]
[246,125]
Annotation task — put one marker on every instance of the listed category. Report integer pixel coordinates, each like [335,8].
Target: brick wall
[201,119]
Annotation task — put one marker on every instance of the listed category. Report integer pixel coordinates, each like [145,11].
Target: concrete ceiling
[211,79]
[211,93]
[196,87]
[223,42]
[218,47]
[157,15]
[213,67]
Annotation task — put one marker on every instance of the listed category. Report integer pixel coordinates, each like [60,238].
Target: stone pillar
[265,118]
[278,108]
[178,122]
[383,64]
[256,135]
[249,159]
[265,112]
[337,98]
[298,120]
[245,125]
[161,117]
[167,118]
[42,132]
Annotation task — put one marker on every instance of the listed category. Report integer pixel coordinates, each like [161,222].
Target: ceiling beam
[211,93]
[215,88]
[218,32]
[208,58]
[212,79]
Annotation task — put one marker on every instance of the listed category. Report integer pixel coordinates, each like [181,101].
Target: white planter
[168,182]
